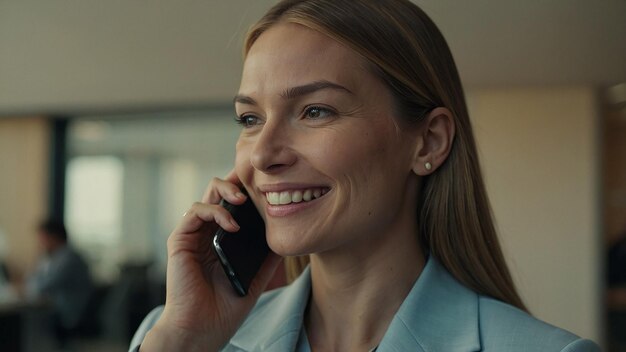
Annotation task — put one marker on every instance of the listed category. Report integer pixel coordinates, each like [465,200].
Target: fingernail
[240,195]
[234,223]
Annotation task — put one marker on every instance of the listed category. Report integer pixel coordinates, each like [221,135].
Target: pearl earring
[428,165]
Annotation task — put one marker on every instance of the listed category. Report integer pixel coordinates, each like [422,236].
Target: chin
[284,243]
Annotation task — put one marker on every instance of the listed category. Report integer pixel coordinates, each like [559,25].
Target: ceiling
[70,56]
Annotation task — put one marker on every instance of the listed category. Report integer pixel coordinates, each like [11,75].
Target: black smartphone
[242,253]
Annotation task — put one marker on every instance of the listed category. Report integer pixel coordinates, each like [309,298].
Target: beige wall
[23,186]
[539,153]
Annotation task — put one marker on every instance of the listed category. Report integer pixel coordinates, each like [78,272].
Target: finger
[218,189]
[200,214]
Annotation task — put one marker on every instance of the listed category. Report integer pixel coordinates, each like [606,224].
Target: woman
[358,103]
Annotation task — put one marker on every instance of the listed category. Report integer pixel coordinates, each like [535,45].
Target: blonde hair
[407,51]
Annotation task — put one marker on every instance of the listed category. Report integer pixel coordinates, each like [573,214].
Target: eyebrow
[298,91]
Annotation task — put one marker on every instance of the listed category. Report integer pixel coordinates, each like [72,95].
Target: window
[130,179]
[93,210]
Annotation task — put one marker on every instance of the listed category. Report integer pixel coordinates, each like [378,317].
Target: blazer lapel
[439,314]
[275,322]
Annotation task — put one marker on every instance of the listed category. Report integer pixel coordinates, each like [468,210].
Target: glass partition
[131,177]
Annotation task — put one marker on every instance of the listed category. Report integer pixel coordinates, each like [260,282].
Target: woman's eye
[247,120]
[317,112]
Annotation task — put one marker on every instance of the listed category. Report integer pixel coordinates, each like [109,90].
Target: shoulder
[273,323]
[147,324]
[504,327]
[440,306]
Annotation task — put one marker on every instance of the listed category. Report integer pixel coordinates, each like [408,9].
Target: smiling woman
[357,150]
[350,147]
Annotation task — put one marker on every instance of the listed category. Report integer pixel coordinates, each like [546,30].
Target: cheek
[354,154]
[337,155]
[359,162]
[375,166]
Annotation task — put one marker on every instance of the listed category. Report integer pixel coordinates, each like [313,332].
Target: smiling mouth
[295,196]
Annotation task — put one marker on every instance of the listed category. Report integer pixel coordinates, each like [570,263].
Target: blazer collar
[439,314]
[275,322]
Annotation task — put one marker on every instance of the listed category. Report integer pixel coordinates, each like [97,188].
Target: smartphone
[241,253]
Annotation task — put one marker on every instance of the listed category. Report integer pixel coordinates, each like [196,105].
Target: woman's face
[319,149]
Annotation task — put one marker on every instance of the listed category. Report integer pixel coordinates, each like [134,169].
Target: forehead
[290,54]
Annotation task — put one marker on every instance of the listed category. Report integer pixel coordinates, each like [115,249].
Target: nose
[273,150]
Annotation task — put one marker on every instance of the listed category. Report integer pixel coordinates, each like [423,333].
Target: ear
[435,141]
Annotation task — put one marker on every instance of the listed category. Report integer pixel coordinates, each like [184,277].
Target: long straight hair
[408,52]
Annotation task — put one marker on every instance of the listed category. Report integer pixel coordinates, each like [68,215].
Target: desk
[11,327]
[616,316]
[20,328]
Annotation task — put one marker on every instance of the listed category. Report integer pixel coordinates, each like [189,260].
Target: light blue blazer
[438,315]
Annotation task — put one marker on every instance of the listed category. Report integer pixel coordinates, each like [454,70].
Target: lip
[288,209]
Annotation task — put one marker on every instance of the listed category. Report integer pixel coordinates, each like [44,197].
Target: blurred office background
[116,114]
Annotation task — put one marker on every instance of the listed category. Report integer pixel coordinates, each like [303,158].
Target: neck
[357,291]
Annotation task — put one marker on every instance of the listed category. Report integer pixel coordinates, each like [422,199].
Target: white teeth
[285,198]
[273,197]
[297,196]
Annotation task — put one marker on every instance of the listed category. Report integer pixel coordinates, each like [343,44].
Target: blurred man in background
[7,291]
[62,278]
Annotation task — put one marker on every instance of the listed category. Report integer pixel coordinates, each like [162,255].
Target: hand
[202,311]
